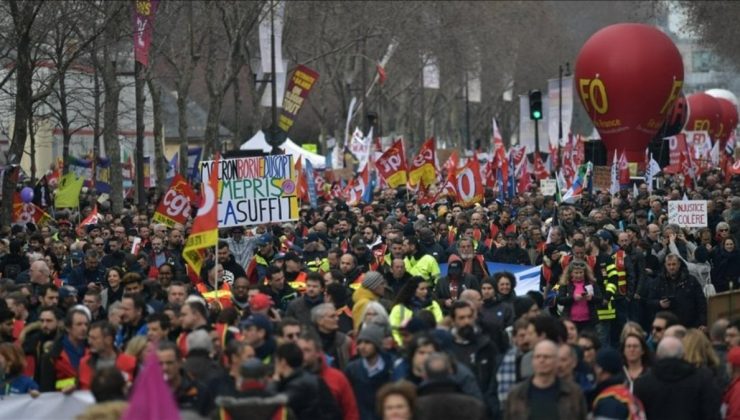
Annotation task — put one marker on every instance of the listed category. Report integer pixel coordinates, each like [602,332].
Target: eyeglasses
[657,329]
[723,230]
[291,336]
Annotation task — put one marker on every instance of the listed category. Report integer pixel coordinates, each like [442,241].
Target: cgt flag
[391,165]
[174,207]
[423,168]
[204,233]
[469,187]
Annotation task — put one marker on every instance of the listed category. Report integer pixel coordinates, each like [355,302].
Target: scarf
[75,354]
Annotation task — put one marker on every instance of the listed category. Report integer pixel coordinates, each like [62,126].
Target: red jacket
[341,390]
[732,399]
[124,362]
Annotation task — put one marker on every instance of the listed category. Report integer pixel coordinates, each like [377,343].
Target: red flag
[174,207]
[451,165]
[301,182]
[524,180]
[144,12]
[734,167]
[554,160]
[382,76]
[424,197]
[540,172]
[423,168]
[355,189]
[624,170]
[28,212]
[449,189]
[518,157]
[204,233]
[469,186]
[391,165]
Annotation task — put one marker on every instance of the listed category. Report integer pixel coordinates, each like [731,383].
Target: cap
[237,229]
[67,291]
[312,237]
[733,356]
[78,255]
[265,239]
[260,302]
[605,235]
[372,280]
[372,334]
[279,256]
[358,242]
[90,228]
[609,360]
[259,321]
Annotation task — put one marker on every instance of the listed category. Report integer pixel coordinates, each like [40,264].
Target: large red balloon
[729,120]
[628,76]
[705,114]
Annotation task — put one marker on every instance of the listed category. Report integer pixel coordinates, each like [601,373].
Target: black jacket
[567,299]
[483,358]
[302,389]
[514,255]
[676,390]
[444,400]
[686,295]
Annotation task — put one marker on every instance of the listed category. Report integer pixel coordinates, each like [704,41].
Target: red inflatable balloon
[676,119]
[728,122]
[628,76]
[705,114]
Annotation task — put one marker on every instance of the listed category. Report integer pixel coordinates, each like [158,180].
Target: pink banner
[144,11]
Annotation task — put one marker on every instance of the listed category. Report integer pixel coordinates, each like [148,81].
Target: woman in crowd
[113,292]
[636,355]
[578,293]
[590,345]
[412,298]
[505,283]
[395,401]
[699,352]
[12,363]
[572,330]
[725,260]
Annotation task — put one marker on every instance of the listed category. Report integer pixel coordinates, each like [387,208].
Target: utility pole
[273,85]
[422,124]
[363,103]
[139,90]
[467,113]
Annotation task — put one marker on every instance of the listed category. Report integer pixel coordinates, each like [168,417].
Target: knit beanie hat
[609,360]
[373,334]
[372,280]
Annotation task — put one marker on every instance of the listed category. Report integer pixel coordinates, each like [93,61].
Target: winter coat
[483,358]
[676,390]
[300,309]
[445,400]
[361,297]
[366,387]
[302,389]
[567,299]
[687,297]
[571,404]
[725,268]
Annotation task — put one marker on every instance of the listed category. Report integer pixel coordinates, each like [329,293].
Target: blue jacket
[366,387]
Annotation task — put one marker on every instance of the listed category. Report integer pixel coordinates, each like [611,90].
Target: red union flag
[469,187]
[355,190]
[423,168]
[144,11]
[391,165]
[539,168]
[174,207]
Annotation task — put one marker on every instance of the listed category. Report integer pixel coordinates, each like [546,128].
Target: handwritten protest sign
[255,190]
[688,213]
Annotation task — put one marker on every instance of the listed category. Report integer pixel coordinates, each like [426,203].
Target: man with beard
[278,289]
[231,269]
[38,336]
[214,289]
[294,274]
[450,287]
[193,316]
[88,274]
[301,307]
[397,276]
[351,272]
[395,251]
[512,253]
[503,224]
[475,349]
[362,253]
[473,263]
[59,366]
[266,251]
[116,256]
[103,354]
[257,332]
[133,320]
[679,292]
[418,263]
[634,267]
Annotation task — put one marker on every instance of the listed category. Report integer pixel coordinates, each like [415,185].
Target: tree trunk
[32,140]
[212,141]
[22,20]
[237,113]
[64,122]
[110,130]
[159,156]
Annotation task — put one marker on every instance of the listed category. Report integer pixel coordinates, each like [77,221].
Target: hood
[673,370]
[454,258]
[252,407]
[363,293]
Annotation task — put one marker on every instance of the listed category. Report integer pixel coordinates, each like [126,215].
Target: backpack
[702,272]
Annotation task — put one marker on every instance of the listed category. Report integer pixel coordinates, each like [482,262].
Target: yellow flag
[68,191]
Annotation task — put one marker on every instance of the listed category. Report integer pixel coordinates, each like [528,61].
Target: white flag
[265,28]
[430,73]
[714,154]
[650,171]
[614,187]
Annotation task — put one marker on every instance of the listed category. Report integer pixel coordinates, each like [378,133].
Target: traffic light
[535,105]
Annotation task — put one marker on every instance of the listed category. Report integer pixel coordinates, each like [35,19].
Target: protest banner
[255,190]
[548,186]
[296,92]
[174,207]
[48,405]
[688,213]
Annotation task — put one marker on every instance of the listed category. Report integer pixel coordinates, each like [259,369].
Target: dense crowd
[388,310]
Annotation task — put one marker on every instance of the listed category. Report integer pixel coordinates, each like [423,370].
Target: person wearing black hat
[257,331]
[611,398]
[253,399]
[370,371]
[294,274]
[512,253]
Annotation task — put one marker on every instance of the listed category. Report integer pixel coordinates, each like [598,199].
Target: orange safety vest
[566,259]
[222,295]
[621,272]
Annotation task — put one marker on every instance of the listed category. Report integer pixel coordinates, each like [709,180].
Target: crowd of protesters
[346,313]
